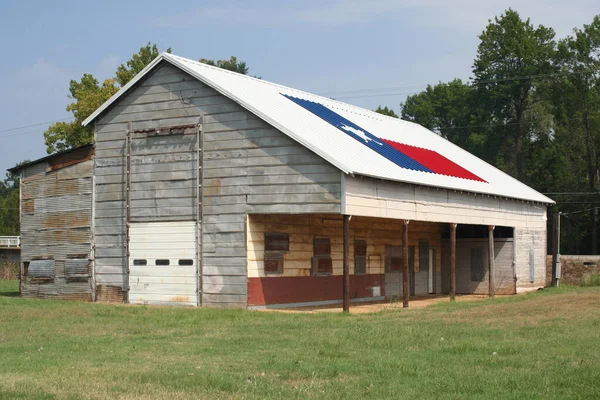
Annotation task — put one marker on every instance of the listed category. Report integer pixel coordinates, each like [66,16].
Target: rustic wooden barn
[221,190]
[56,219]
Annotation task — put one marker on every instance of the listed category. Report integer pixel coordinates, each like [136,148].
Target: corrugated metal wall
[56,216]
[249,167]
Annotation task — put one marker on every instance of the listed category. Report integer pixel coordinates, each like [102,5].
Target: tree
[232,65]
[139,61]
[451,110]
[386,111]
[9,204]
[576,99]
[88,94]
[512,56]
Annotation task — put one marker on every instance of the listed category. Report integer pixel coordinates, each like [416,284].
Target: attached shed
[217,189]
[56,219]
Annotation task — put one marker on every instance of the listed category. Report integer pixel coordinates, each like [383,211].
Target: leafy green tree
[9,205]
[386,111]
[232,65]
[511,58]
[139,61]
[451,110]
[576,99]
[88,94]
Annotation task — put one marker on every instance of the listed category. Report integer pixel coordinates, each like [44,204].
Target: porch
[297,260]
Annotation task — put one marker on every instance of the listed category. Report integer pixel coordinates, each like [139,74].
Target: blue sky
[343,49]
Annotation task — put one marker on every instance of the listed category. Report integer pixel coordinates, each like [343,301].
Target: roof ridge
[341,105]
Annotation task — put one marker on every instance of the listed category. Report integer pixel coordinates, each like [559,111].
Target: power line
[33,125]
[572,193]
[472,83]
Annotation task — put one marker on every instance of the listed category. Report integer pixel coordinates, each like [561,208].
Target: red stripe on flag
[434,161]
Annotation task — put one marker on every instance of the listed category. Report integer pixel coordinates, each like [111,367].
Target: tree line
[532,109]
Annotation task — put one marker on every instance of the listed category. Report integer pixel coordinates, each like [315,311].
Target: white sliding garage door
[163,267]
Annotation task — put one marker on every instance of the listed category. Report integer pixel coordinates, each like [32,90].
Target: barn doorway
[163,266]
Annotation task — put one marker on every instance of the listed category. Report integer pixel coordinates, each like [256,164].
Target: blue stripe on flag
[358,133]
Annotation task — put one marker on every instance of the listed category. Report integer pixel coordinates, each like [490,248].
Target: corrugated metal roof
[19,167]
[356,140]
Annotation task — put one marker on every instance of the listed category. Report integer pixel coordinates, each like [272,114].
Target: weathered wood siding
[370,197]
[249,167]
[504,275]
[376,198]
[163,167]
[56,212]
[296,285]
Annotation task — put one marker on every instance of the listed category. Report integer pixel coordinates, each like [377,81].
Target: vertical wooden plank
[346,285]
[491,253]
[453,262]
[405,266]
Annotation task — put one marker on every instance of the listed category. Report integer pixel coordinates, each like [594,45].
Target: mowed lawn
[541,345]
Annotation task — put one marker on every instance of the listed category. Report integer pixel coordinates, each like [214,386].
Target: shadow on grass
[9,288]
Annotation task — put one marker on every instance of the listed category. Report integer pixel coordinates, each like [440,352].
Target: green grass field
[541,345]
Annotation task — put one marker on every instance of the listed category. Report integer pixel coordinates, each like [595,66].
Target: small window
[322,263]
[186,262]
[360,257]
[77,269]
[41,269]
[25,268]
[162,262]
[140,262]
[276,244]
[393,258]
[477,264]
[273,263]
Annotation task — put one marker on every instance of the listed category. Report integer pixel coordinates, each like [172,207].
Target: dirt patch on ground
[372,307]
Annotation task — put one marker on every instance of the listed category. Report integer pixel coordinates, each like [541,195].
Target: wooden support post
[453,262]
[405,265]
[491,254]
[346,264]
[555,249]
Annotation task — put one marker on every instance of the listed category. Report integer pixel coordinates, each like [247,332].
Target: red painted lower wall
[300,289]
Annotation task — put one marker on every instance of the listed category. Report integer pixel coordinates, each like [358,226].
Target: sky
[364,52]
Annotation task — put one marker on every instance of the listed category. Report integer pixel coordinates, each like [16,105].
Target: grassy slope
[547,346]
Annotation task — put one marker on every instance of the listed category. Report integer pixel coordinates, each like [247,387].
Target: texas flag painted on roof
[403,155]
[357,141]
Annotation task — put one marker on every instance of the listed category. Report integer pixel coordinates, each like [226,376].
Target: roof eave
[123,90]
[548,201]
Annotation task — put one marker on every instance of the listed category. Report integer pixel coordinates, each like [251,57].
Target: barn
[209,188]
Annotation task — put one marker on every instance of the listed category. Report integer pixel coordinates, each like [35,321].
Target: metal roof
[27,164]
[356,140]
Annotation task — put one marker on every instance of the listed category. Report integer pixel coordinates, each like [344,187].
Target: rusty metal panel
[55,225]
[41,269]
[77,268]
[112,294]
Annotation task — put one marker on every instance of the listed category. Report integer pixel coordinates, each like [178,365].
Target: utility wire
[472,83]
[357,91]
[33,125]
[572,193]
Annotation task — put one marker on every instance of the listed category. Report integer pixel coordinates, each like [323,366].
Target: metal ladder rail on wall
[199,212]
[200,176]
